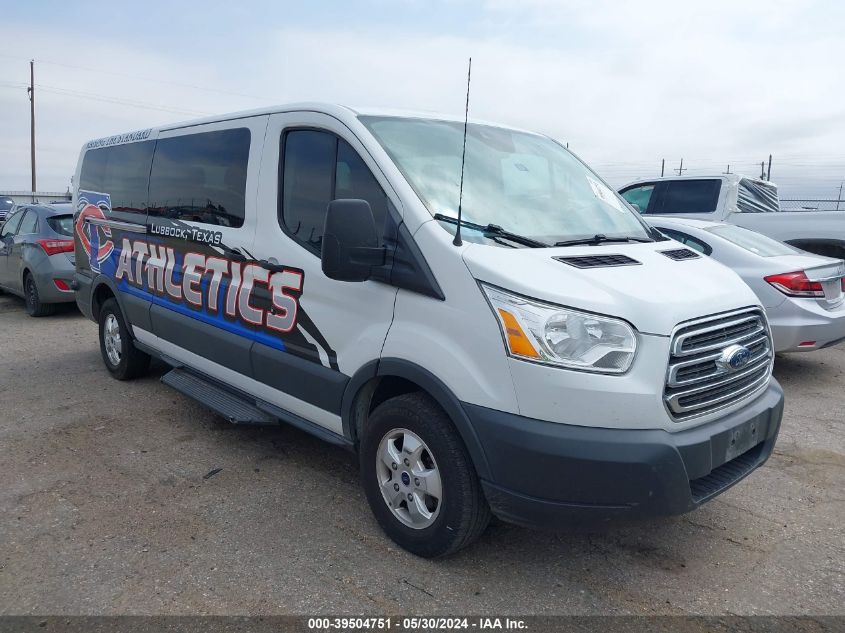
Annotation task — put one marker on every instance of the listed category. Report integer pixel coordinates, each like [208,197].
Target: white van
[558,360]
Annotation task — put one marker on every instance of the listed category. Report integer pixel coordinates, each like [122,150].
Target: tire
[32,300]
[459,516]
[123,360]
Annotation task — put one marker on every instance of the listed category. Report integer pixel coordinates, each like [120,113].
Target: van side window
[201,177]
[122,171]
[319,167]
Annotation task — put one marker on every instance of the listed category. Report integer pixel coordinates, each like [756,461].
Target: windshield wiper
[600,238]
[493,230]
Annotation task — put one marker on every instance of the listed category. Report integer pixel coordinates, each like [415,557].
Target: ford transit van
[551,359]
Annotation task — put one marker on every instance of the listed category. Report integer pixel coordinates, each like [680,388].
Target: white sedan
[804,294]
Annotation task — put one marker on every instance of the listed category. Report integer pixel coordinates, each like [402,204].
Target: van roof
[338,111]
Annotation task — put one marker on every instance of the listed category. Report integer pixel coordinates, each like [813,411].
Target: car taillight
[796,285]
[54,247]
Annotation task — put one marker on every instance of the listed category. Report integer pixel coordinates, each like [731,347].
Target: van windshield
[525,183]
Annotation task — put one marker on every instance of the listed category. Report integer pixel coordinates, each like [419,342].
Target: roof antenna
[457,241]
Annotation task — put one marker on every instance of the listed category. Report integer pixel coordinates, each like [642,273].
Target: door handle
[272,265]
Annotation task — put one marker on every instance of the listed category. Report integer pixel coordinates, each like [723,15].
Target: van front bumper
[546,474]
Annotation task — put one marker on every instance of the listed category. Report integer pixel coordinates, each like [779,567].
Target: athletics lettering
[157,266]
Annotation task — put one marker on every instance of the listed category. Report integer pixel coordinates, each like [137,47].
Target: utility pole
[839,197]
[31,91]
[662,167]
[681,169]
[729,170]
[762,170]
[769,170]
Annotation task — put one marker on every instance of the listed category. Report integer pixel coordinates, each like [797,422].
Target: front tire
[123,360]
[34,306]
[419,479]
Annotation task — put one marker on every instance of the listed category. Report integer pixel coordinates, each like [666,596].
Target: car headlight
[546,333]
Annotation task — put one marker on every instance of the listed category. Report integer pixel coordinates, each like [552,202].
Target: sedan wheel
[34,306]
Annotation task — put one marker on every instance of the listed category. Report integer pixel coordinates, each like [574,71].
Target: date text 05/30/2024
[416,623]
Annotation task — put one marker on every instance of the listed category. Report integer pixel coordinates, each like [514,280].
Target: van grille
[697,382]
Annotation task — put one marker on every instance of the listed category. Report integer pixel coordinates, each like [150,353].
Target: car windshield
[6,204]
[753,241]
[61,224]
[524,183]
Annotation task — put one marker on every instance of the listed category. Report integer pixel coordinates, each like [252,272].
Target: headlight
[551,334]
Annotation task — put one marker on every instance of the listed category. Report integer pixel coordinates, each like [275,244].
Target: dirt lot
[104,509]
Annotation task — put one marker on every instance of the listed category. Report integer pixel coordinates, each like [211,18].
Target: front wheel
[122,358]
[419,479]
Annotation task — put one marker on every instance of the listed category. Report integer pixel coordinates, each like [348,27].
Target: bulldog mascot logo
[95,238]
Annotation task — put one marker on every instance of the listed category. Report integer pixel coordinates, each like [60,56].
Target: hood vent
[680,254]
[598,261]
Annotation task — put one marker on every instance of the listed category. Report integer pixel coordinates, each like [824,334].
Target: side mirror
[350,242]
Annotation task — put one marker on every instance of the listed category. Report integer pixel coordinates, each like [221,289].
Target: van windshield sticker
[605,194]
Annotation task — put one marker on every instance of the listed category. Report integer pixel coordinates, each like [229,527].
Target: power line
[118,101]
[141,78]
[105,99]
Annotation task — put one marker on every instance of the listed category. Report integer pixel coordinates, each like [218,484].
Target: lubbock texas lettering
[157,265]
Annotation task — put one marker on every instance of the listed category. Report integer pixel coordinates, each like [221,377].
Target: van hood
[654,294]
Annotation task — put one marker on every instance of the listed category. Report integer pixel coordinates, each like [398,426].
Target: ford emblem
[734,358]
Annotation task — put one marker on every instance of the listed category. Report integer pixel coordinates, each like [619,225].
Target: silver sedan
[803,294]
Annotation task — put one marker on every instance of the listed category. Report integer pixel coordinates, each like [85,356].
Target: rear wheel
[34,306]
[122,358]
[419,479]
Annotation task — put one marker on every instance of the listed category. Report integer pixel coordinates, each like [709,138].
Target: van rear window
[201,177]
[122,171]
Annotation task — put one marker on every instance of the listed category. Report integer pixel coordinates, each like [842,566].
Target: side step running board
[235,409]
[241,409]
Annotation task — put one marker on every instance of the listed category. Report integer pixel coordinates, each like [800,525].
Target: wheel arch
[379,380]
[102,290]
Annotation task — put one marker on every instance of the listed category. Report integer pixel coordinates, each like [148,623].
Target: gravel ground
[106,508]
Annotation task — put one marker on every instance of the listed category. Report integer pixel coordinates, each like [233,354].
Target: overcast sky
[626,84]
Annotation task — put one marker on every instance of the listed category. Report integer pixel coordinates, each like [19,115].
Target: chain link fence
[819,204]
